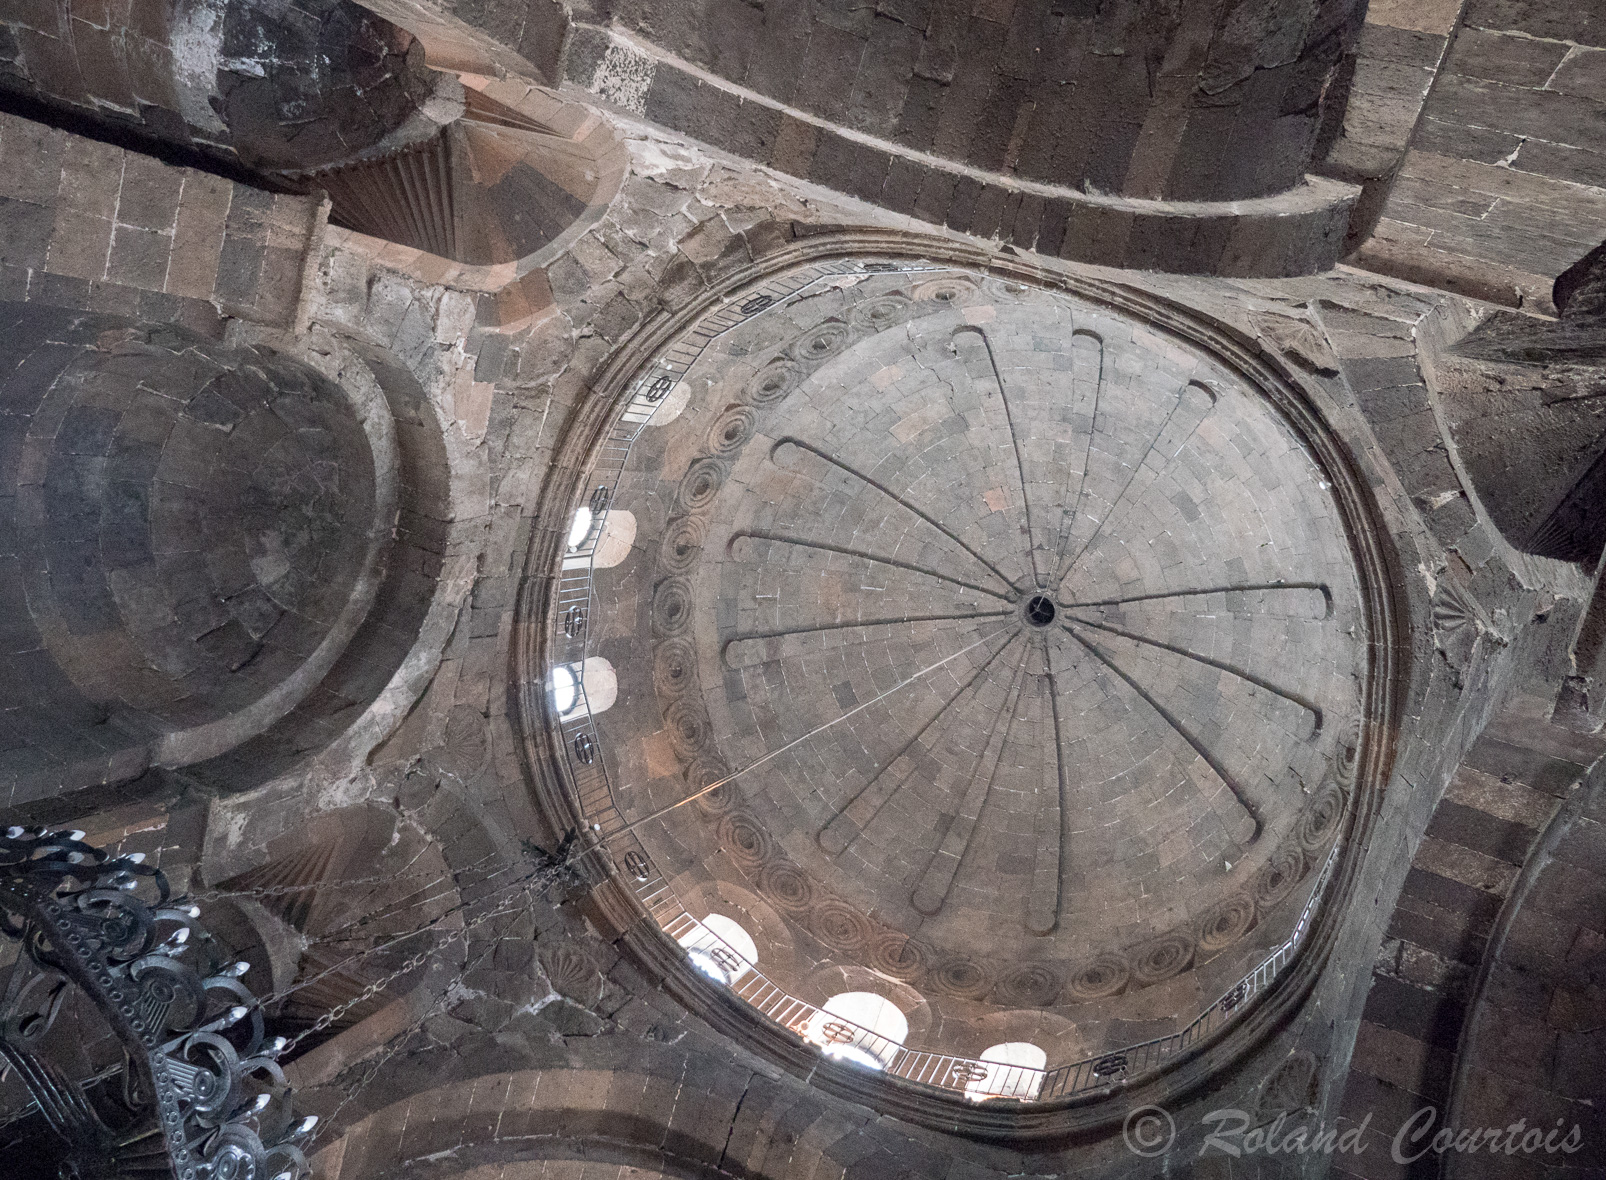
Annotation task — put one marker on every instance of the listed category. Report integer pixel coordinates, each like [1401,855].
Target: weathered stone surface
[274,87]
[188,522]
[495,1054]
[1003,105]
[1512,114]
[1528,423]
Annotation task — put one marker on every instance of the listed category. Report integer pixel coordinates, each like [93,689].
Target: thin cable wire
[662,811]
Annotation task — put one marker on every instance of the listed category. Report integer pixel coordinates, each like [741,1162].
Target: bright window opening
[719,948]
[565,688]
[581,528]
[592,686]
[860,1027]
[1012,1070]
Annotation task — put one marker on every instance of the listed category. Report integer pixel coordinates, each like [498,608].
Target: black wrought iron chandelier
[201,1095]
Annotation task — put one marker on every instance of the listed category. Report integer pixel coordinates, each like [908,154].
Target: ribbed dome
[1028,641]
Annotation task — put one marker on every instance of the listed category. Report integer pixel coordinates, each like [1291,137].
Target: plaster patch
[624,76]
[657,157]
[197,45]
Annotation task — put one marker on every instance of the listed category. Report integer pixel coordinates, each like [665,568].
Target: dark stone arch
[325,95]
[193,531]
[1535,1022]
[1529,421]
[267,83]
[336,82]
[642,1116]
[406,589]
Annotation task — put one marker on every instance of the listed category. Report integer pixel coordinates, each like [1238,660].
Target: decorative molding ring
[1371,546]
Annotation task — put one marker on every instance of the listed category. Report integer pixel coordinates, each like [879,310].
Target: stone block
[1379,42]
[87,430]
[13,283]
[138,258]
[1472,277]
[1258,248]
[150,193]
[289,220]
[1578,165]
[1583,73]
[250,211]
[936,195]
[795,143]
[754,130]
[1412,191]
[681,100]
[999,124]
[1028,219]
[100,61]
[279,285]
[1481,144]
[1555,117]
[707,242]
[772,67]
[78,584]
[986,218]
[1096,233]
[1429,1016]
[1512,763]
[1582,22]
[79,244]
[1571,894]
[902,187]
[1051,226]
[877,96]
[47,56]
[1512,61]
[91,178]
[239,269]
[1159,243]
[825,71]
[113,299]
[1522,1042]
[1501,839]
[962,208]
[30,160]
[150,67]
[917,122]
[1451,935]
[1388,373]
[25,230]
[187,458]
[849,166]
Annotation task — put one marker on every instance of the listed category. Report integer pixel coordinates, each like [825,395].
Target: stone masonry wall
[469,1071]
[556,1043]
[1504,185]
[1204,101]
[84,224]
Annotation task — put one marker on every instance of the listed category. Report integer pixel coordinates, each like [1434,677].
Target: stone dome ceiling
[1024,644]
[192,522]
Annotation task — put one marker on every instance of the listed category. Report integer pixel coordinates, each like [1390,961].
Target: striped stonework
[1484,828]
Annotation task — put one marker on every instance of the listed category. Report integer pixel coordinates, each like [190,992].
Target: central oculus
[1039,611]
